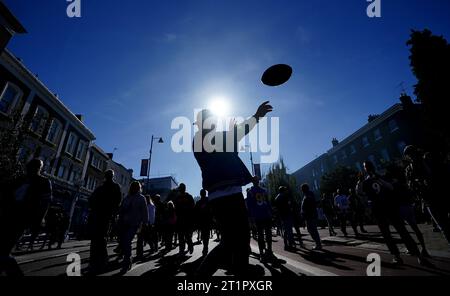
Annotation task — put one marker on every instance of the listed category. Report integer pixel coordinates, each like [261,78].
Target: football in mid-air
[277,75]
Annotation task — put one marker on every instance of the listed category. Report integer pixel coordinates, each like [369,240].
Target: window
[373,160]
[95,161]
[75,175]
[393,125]
[316,186]
[352,149]
[322,169]
[344,154]
[81,151]
[365,141]
[54,131]
[47,164]
[335,159]
[377,134]
[401,146]
[9,97]
[71,143]
[39,121]
[385,155]
[91,183]
[61,171]
[313,172]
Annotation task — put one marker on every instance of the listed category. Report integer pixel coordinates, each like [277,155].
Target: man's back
[105,200]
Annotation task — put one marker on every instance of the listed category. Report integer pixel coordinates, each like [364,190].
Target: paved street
[340,257]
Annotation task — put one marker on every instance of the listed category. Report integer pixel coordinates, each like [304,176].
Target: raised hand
[263,109]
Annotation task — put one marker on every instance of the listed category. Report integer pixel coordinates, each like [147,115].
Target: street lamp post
[251,158]
[160,141]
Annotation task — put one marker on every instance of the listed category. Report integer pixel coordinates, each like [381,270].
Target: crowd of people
[391,199]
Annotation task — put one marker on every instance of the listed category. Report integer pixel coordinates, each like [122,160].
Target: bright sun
[219,107]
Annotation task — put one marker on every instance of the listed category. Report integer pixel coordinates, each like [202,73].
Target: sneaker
[317,248]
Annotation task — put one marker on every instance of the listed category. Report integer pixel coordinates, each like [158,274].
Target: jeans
[231,216]
[127,234]
[264,230]
[311,225]
[385,216]
[288,237]
[98,252]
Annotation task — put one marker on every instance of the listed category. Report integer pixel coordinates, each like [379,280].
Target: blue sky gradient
[132,66]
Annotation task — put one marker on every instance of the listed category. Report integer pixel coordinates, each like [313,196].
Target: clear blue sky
[131,66]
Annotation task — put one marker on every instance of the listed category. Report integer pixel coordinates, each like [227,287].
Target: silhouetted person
[159,218]
[327,205]
[428,179]
[224,174]
[133,215]
[342,204]
[31,198]
[283,205]
[405,199]
[356,211]
[260,211]
[169,224]
[56,223]
[184,209]
[103,206]
[386,212]
[309,211]
[146,233]
[204,219]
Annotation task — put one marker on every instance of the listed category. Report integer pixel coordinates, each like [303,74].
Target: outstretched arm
[245,127]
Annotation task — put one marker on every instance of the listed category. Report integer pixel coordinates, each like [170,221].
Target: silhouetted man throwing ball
[224,174]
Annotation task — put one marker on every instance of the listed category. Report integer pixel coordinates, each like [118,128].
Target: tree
[278,176]
[13,132]
[342,178]
[430,63]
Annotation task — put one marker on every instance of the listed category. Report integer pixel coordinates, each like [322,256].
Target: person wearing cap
[223,175]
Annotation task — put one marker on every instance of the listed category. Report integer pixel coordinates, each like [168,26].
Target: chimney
[406,100]
[110,155]
[335,142]
[80,117]
[372,117]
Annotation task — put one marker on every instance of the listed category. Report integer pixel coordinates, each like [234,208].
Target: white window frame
[82,145]
[377,134]
[75,137]
[395,128]
[57,133]
[365,143]
[42,121]
[64,171]
[15,100]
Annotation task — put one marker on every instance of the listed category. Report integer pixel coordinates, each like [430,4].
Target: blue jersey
[258,206]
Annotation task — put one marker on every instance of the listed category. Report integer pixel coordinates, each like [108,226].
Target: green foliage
[430,63]
[342,178]
[13,132]
[278,176]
